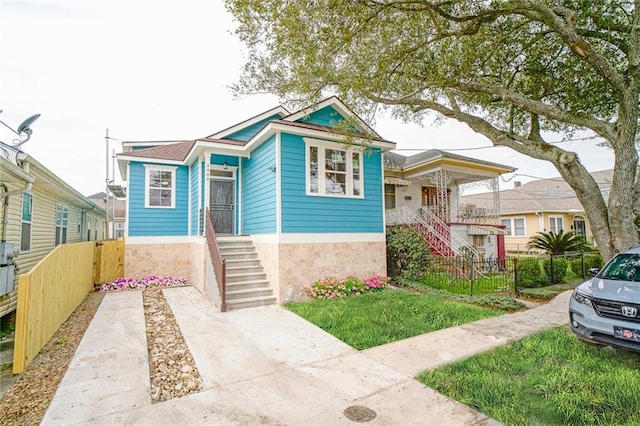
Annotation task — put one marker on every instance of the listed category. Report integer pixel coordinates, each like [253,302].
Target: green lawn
[548,379]
[378,318]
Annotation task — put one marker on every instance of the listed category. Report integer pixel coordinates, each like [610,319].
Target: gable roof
[277,111]
[394,161]
[264,126]
[543,195]
[339,106]
[177,151]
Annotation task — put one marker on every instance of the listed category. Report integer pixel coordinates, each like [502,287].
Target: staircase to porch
[436,232]
[246,281]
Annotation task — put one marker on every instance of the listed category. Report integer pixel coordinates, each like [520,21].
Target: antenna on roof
[24,130]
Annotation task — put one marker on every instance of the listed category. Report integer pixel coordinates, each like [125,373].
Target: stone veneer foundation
[289,266]
[301,264]
[183,258]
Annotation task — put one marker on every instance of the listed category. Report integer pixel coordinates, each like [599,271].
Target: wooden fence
[52,290]
[108,261]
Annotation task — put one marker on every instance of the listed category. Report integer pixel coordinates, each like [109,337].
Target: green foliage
[493,65]
[590,261]
[407,253]
[560,266]
[384,317]
[559,243]
[530,274]
[493,301]
[551,378]
[331,288]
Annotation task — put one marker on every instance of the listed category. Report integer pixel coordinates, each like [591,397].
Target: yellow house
[544,205]
[38,211]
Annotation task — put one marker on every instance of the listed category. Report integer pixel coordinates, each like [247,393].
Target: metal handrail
[219,264]
[440,237]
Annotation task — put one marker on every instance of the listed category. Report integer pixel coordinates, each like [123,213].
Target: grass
[550,378]
[374,319]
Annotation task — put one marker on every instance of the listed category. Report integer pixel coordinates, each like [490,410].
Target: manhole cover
[360,414]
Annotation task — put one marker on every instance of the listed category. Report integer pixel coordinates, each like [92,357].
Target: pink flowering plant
[137,283]
[331,288]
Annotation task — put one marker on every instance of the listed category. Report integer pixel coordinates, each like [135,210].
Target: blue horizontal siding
[259,190]
[157,221]
[250,131]
[221,159]
[317,214]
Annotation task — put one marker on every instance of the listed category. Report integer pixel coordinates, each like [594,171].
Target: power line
[498,146]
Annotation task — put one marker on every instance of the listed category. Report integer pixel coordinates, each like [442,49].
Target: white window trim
[555,219]
[350,151]
[30,222]
[512,227]
[152,167]
[62,226]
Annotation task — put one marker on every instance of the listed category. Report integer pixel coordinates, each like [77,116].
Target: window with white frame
[333,171]
[62,222]
[25,225]
[515,226]
[160,186]
[555,224]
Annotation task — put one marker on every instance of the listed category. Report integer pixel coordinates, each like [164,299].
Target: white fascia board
[207,148]
[336,104]
[150,160]
[8,168]
[273,127]
[127,146]
[173,239]
[251,121]
[319,238]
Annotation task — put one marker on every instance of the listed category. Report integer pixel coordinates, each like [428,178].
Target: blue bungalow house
[292,198]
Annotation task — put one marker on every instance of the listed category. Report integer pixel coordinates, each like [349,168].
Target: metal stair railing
[436,232]
[219,264]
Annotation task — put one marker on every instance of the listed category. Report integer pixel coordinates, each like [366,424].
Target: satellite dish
[24,127]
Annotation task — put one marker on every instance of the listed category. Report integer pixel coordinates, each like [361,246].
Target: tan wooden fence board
[50,292]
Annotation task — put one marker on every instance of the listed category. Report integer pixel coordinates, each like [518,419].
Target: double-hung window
[160,186]
[333,170]
[555,224]
[62,221]
[515,227]
[25,224]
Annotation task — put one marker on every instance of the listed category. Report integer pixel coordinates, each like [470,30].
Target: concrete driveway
[268,366]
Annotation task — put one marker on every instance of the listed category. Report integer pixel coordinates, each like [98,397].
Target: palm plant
[557,243]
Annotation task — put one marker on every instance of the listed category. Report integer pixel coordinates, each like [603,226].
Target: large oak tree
[511,70]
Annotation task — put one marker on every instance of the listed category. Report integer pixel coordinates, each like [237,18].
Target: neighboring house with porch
[291,198]
[544,205]
[425,190]
[116,209]
[38,212]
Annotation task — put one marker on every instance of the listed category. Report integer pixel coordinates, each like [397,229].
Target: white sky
[159,70]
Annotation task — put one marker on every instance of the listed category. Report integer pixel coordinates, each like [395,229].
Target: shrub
[331,288]
[407,253]
[530,275]
[560,266]
[590,261]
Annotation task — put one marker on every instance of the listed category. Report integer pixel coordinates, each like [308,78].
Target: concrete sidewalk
[268,366]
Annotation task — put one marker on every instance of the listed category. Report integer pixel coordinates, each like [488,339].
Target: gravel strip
[171,367]
[172,370]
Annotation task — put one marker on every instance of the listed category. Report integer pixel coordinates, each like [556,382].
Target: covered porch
[424,190]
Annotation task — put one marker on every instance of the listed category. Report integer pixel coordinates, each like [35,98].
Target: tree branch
[602,128]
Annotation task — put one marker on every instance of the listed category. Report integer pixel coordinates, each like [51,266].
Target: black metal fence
[473,276]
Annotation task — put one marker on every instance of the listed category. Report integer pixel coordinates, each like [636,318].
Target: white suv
[606,309]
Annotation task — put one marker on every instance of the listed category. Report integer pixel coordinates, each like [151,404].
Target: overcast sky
[159,70]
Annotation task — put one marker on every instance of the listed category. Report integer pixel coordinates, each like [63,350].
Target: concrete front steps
[247,284]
